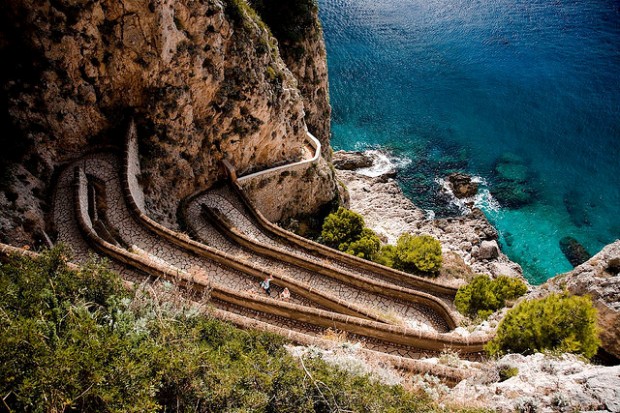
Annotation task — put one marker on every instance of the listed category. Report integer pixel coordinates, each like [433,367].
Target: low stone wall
[132,166]
[448,374]
[414,281]
[292,167]
[368,328]
[362,283]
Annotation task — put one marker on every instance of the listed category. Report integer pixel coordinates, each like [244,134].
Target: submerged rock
[512,182]
[462,185]
[574,205]
[574,252]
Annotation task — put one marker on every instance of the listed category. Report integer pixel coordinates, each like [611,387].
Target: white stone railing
[314,142]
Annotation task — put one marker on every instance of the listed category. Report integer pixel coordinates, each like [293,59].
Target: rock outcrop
[462,185]
[350,161]
[598,277]
[390,213]
[204,80]
[541,383]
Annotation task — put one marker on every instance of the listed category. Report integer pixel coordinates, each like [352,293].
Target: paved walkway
[409,314]
[115,222]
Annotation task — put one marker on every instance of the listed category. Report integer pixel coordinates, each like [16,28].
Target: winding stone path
[97,206]
[410,314]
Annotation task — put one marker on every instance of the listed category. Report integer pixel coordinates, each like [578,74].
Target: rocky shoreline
[469,242]
[547,383]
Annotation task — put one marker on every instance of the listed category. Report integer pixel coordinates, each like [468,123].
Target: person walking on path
[285,294]
[266,284]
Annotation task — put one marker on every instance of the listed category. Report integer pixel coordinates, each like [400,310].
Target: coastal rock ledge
[469,242]
[598,277]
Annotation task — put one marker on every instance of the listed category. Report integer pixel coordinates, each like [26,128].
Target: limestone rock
[543,383]
[351,160]
[390,213]
[488,250]
[462,185]
[598,277]
[203,79]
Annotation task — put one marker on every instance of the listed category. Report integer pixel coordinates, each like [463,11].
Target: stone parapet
[412,280]
[405,294]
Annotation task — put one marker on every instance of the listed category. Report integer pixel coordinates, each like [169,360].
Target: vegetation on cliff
[558,323]
[483,296]
[413,253]
[78,341]
[346,231]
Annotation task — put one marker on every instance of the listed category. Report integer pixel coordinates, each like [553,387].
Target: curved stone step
[355,325]
[219,219]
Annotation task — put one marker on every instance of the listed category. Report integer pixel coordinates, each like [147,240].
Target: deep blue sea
[524,94]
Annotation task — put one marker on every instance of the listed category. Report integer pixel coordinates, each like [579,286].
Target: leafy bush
[366,246]
[506,372]
[345,230]
[483,296]
[386,255]
[558,322]
[421,253]
[77,341]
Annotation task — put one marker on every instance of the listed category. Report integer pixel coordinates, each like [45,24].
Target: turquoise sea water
[529,88]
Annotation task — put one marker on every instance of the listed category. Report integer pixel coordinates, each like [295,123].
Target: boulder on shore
[488,250]
[462,185]
[351,161]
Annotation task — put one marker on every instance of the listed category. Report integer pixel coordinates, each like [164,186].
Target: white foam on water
[383,162]
[483,199]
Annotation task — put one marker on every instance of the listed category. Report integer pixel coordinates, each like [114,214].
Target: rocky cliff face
[203,79]
[296,26]
[598,277]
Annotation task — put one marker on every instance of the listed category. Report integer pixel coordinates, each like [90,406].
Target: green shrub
[367,246]
[483,296]
[77,341]
[421,253]
[558,322]
[506,372]
[386,255]
[345,230]
[342,227]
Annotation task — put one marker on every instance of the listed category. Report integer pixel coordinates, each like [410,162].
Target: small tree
[558,322]
[367,246]
[342,228]
[422,253]
[482,296]
[345,230]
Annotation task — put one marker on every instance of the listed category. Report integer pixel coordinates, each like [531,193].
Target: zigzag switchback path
[97,207]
